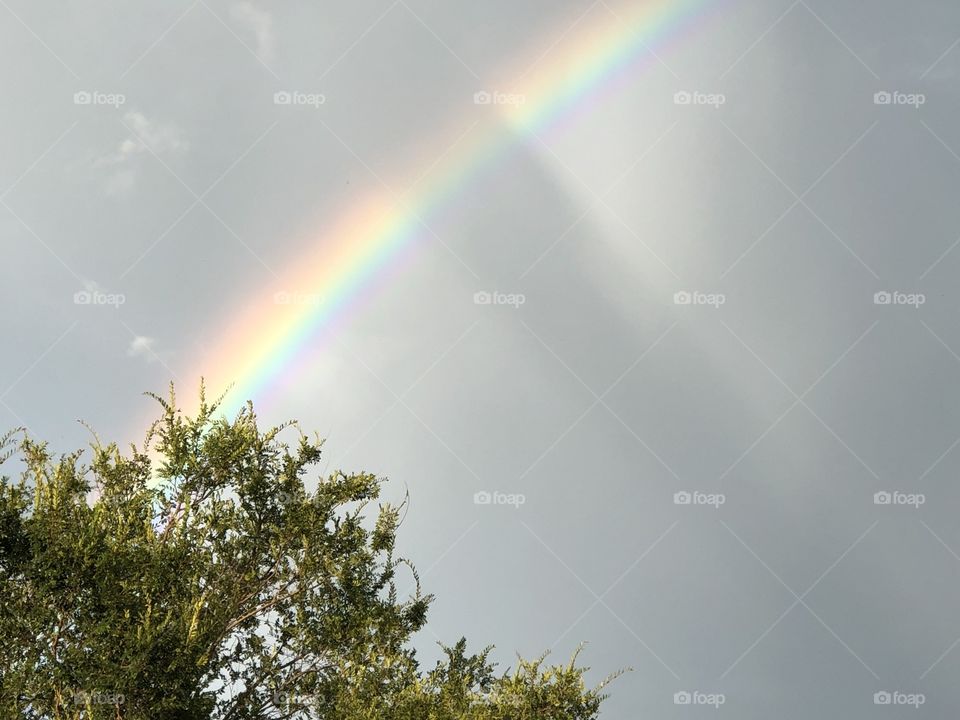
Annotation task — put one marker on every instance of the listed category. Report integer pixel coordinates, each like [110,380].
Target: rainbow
[352,257]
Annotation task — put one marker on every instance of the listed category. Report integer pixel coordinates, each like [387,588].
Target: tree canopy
[197,577]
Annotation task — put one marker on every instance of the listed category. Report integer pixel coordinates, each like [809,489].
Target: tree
[196,578]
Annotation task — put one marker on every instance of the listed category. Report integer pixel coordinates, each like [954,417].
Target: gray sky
[785,385]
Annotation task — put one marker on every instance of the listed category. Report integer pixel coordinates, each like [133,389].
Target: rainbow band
[273,332]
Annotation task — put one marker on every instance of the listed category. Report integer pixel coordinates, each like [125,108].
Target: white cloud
[158,138]
[142,346]
[260,23]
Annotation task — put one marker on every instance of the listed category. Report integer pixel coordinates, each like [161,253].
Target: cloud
[146,349]
[160,138]
[260,23]
[150,136]
[142,346]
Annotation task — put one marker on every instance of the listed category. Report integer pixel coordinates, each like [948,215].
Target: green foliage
[197,578]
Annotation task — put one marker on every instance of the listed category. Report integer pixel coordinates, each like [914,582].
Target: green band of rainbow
[368,239]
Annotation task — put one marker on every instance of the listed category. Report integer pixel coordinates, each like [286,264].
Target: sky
[650,306]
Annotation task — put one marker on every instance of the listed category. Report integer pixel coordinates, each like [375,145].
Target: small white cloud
[260,23]
[142,346]
[158,138]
